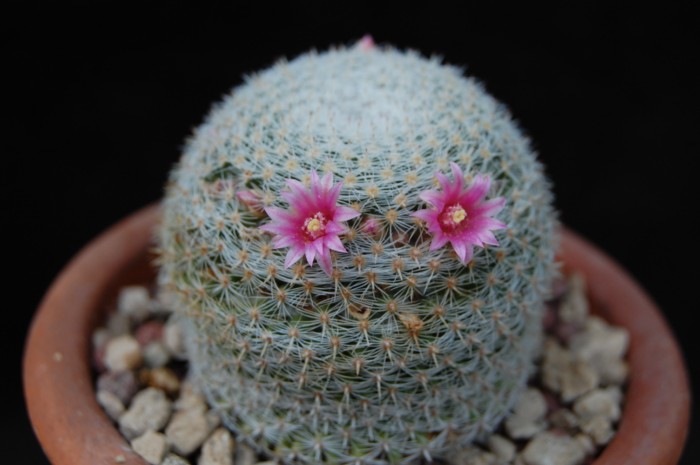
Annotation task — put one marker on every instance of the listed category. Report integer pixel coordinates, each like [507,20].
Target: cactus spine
[401,351]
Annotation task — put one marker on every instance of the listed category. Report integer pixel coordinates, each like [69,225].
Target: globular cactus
[360,242]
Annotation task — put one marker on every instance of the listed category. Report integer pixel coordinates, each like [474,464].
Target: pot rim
[59,387]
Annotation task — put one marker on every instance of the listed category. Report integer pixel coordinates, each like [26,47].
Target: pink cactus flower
[366,43]
[460,215]
[312,224]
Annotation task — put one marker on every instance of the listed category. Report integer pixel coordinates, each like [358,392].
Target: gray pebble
[150,409]
[600,402]
[599,429]
[461,455]
[156,355]
[187,430]
[111,404]
[174,459]
[218,449]
[174,339]
[551,449]
[527,418]
[134,302]
[574,305]
[484,458]
[563,418]
[151,446]
[122,384]
[190,397]
[586,443]
[603,347]
[502,448]
[563,373]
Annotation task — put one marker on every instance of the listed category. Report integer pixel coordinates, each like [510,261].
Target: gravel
[149,410]
[566,416]
[152,446]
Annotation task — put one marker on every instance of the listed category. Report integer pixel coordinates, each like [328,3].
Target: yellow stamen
[458,215]
[313,225]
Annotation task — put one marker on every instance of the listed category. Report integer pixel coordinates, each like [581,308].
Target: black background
[98,104]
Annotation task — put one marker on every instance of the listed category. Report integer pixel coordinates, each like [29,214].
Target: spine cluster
[395,349]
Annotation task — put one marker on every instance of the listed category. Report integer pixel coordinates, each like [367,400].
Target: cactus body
[400,352]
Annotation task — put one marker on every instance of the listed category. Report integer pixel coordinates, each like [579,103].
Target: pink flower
[460,215]
[366,43]
[312,224]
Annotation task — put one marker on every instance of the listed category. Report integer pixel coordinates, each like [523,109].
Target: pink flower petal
[326,262]
[335,228]
[434,198]
[458,177]
[464,251]
[487,237]
[489,207]
[439,240]
[461,249]
[310,253]
[294,254]
[333,243]
[477,191]
[345,213]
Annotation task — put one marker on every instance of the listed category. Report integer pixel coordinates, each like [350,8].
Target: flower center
[452,217]
[315,226]
[458,214]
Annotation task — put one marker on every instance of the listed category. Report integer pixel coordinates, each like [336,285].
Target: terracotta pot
[73,429]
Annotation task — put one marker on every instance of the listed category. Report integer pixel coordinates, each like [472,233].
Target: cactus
[402,339]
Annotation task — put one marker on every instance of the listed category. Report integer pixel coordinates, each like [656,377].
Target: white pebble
[527,418]
[563,373]
[599,428]
[503,449]
[603,347]
[574,305]
[484,458]
[550,449]
[173,459]
[150,446]
[149,409]
[187,430]
[111,404]
[563,418]
[134,302]
[156,355]
[190,397]
[461,455]
[123,353]
[600,402]
[218,449]
[586,443]
[174,339]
